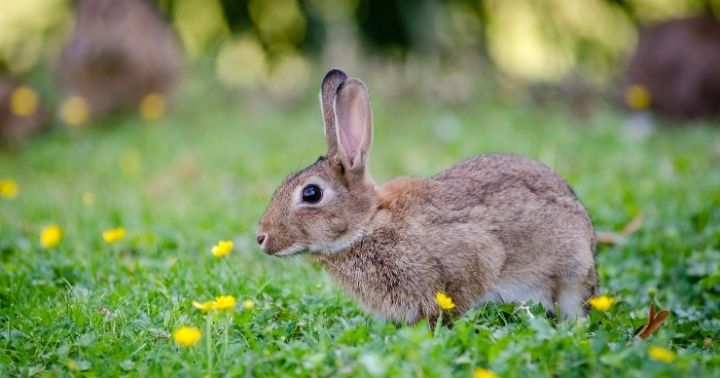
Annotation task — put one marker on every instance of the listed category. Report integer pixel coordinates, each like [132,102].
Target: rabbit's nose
[260,238]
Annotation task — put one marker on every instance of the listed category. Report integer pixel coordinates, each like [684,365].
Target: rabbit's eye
[311,194]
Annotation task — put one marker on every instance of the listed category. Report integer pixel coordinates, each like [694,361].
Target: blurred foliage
[271,40]
[27,29]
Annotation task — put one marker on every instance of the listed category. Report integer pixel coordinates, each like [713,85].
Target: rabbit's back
[524,204]
[495,173]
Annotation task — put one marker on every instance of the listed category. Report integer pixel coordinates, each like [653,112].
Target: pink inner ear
[351,113]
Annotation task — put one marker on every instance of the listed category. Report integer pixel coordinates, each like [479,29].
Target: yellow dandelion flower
[602,302]
[24,101]
[88,199]
[153,107]
[9,189]
[204,306]
[50,236]
[187,336]
[74,111]
[637,97]
[484,373]
[222,248]
[660,354]
[444,301]
[224,302]
[71,364]
[248,304]
[113,235]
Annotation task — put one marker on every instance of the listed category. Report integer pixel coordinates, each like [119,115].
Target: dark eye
[311,194]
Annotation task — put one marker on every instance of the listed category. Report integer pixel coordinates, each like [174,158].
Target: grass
[206,172]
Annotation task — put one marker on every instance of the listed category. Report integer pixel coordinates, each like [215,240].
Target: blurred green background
[274,45]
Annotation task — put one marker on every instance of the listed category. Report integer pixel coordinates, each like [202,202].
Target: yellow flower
[660,354]
[602,302]
[74,111]
[8,188]
[222,302]
[50,236]
[222,248]
[204,306]
[23,101]
[113,235]
[444,301]
[637,97]
[248,304]
[153,107]
[71,364]
[484,373]
[187,336]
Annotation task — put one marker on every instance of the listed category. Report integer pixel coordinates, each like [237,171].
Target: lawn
[204,173]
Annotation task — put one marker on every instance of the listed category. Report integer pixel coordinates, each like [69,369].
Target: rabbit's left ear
[353,121]
[328,91]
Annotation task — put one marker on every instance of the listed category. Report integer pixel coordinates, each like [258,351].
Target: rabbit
[678,63]
[120,52]
[493,228]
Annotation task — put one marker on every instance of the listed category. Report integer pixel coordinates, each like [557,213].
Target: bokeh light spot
[74,111]
[24,101]
[199,24]
[279,21]
[637,97]
[241,63]
[9,188]
[289,77]
[153,107]
[517,46]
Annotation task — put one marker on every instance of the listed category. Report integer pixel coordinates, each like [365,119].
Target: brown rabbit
[678,63]
[497,228]
[120,52]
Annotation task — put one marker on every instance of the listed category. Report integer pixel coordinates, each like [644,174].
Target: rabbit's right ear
[353,120]
[328,89]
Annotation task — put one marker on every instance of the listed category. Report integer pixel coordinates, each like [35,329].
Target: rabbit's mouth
[273,250]
[274,243]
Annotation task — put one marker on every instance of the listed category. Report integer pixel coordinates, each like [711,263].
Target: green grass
[206,172]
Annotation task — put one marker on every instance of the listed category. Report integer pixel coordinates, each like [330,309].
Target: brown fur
[120,52]
[678,63]
[492,228]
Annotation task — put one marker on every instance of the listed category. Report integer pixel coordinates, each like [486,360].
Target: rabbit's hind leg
[571,296]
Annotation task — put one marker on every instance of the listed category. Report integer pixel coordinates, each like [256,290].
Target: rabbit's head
[323,208]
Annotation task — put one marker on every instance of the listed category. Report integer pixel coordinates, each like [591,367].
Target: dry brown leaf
[653,323]
[611,238]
